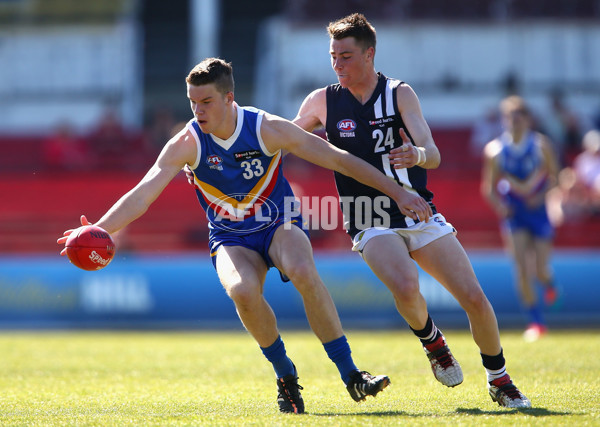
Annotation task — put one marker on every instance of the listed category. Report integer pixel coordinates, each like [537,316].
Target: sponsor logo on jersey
[246,155]
[381,122]
[214,162]
[346,128]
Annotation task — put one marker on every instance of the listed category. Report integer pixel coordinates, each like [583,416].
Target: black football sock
[429,334]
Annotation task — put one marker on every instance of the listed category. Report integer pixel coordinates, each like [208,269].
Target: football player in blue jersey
[519,169]
[379,119]
[235,155]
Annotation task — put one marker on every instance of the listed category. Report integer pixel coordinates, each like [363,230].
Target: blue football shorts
[258,241]
[534,222]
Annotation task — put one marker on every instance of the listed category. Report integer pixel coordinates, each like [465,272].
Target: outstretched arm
[279,134]
[176,153]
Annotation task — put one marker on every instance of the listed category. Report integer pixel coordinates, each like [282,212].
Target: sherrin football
[90,248]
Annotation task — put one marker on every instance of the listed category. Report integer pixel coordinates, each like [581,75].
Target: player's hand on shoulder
[406,155]
[67,233]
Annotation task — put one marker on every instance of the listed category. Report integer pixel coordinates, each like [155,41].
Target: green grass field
[213,378]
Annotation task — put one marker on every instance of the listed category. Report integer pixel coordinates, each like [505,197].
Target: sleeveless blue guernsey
[239,184]
[370,131]
[522,161]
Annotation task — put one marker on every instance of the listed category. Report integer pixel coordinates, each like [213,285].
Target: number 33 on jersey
[237,177]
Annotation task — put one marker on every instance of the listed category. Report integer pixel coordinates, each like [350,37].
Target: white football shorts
[415,236]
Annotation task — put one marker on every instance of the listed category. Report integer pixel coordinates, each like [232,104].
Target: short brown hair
[355,25]
[213,70]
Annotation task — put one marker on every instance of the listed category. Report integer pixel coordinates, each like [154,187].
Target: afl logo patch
[346,125]
[213,159]
[214,162]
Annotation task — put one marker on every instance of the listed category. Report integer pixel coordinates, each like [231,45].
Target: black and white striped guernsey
[370,131]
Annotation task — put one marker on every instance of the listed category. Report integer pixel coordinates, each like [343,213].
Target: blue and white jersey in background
[520,161]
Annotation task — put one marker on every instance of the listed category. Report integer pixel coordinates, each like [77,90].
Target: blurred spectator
[485,129]
[578,192]
[64,150]
[587,167]
[109,136]
[567,201]
[159,130]
[563,127]
[115,147]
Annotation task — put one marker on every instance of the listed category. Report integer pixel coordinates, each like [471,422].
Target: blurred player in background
[519,168]
[235,155]
[379,119]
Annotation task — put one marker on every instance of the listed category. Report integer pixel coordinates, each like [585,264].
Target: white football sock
[495,374]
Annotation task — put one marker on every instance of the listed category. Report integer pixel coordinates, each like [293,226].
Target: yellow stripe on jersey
[216,196]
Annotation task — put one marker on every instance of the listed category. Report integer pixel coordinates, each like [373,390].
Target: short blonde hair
[514,103]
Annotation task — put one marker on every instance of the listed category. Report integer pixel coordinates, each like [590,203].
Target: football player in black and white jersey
[379,119]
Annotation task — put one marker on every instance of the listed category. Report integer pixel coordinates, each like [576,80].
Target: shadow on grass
[366,414]
[535,412]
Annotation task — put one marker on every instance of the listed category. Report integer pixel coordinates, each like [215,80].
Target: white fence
[456,69]
[53,75]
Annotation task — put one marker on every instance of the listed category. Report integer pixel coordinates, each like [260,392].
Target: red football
[90,247]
